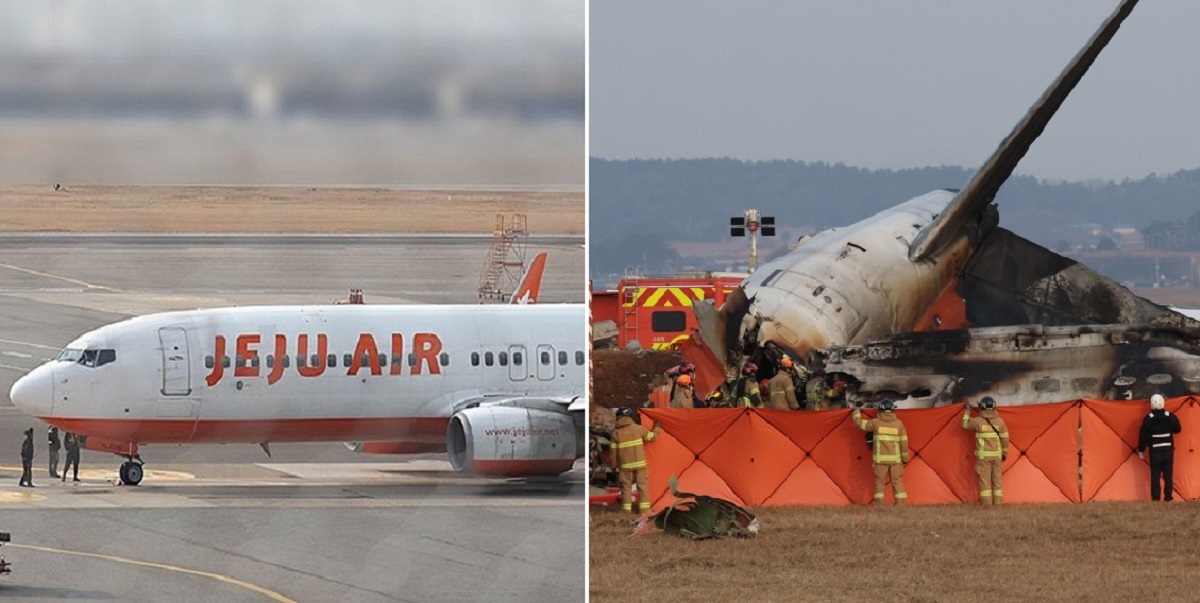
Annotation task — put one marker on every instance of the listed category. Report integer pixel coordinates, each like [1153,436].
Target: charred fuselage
[1020,364]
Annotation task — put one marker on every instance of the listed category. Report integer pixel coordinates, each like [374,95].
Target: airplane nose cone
[32,393]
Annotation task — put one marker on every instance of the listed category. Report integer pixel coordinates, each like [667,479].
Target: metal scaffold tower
[505,260]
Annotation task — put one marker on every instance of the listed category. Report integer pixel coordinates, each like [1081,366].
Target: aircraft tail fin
[981,189]
[531,283]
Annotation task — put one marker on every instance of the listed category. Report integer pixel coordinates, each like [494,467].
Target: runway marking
[32,345]
[274,596]
[20,369]
[20,497]
[153,475]
[73,281]
[16,354]
[111,476]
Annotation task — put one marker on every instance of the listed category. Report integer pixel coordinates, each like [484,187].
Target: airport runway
[314,522]
[407,531]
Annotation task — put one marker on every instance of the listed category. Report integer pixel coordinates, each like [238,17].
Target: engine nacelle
[394,447]
[511,441]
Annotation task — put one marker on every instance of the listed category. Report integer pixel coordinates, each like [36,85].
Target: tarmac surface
[312,522]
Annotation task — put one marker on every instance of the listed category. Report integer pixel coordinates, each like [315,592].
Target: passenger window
[225,361]
[503,358]
[444,359]
[315,360]
[287,361]
[412,360]
[545,358]
[331,361]
[241,361]
[300,361]
[487,358]
[383,360]
[270,360]
[347,360]
[398,360]
[209,362]
[106,356]
[254,361]
[579,358]
[365,361]
[475,359]
[517,358]
[562,358]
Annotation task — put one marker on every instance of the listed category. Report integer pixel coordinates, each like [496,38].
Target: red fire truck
[655,311]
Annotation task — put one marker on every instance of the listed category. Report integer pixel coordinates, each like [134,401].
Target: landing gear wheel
[131,473]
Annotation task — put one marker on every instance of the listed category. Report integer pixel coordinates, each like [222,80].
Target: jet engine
[511,441]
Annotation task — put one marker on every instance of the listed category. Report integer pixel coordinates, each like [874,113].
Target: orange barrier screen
[1064,452]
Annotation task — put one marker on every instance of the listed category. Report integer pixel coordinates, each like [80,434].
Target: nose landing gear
[131,472]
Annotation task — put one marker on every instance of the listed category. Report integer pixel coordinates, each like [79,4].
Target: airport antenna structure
[752,220]
[505,260]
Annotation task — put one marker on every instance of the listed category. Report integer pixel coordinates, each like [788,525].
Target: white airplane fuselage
[847,286]
[308,373]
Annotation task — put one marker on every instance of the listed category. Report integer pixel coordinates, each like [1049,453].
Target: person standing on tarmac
[71,443]
[890,453]
[54,445]
[1158,434]
[783,387]
[27,460]
[629,457]
[991,449]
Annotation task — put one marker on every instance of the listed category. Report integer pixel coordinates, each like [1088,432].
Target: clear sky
[888,84]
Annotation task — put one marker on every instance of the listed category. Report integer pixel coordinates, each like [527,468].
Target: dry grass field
[1083,552]
[244,209]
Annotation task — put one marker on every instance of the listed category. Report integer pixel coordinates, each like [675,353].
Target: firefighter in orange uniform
[783,387]
[890,450]
[629,457]
[745,390]
[685,394]
[991,449]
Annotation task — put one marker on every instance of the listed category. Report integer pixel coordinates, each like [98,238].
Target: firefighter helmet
[684,379]
[625,411]
[750,369]
[1157,402]
[987,403]
[786,361]
[887,405]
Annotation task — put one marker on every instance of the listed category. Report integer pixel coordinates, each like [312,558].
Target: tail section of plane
[531,282]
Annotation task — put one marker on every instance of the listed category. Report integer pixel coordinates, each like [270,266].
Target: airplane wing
[531,282]
[981,189]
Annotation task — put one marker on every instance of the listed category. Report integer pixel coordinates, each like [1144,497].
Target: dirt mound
[624,377]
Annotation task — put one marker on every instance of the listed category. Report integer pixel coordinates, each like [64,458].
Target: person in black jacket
[54,445]
[72,444]
[1157,434]
[27,460]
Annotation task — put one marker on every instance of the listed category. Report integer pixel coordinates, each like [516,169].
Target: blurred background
[471,92]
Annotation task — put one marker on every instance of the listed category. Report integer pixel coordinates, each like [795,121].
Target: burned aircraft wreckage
[931,302]
[1044,329]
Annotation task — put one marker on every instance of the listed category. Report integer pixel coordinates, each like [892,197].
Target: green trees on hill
[637,207]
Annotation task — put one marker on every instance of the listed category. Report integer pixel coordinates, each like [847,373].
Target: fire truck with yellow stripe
[655,311]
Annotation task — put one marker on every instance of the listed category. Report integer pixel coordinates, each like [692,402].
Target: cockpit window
[106,356]
[70,355]
[90,358]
